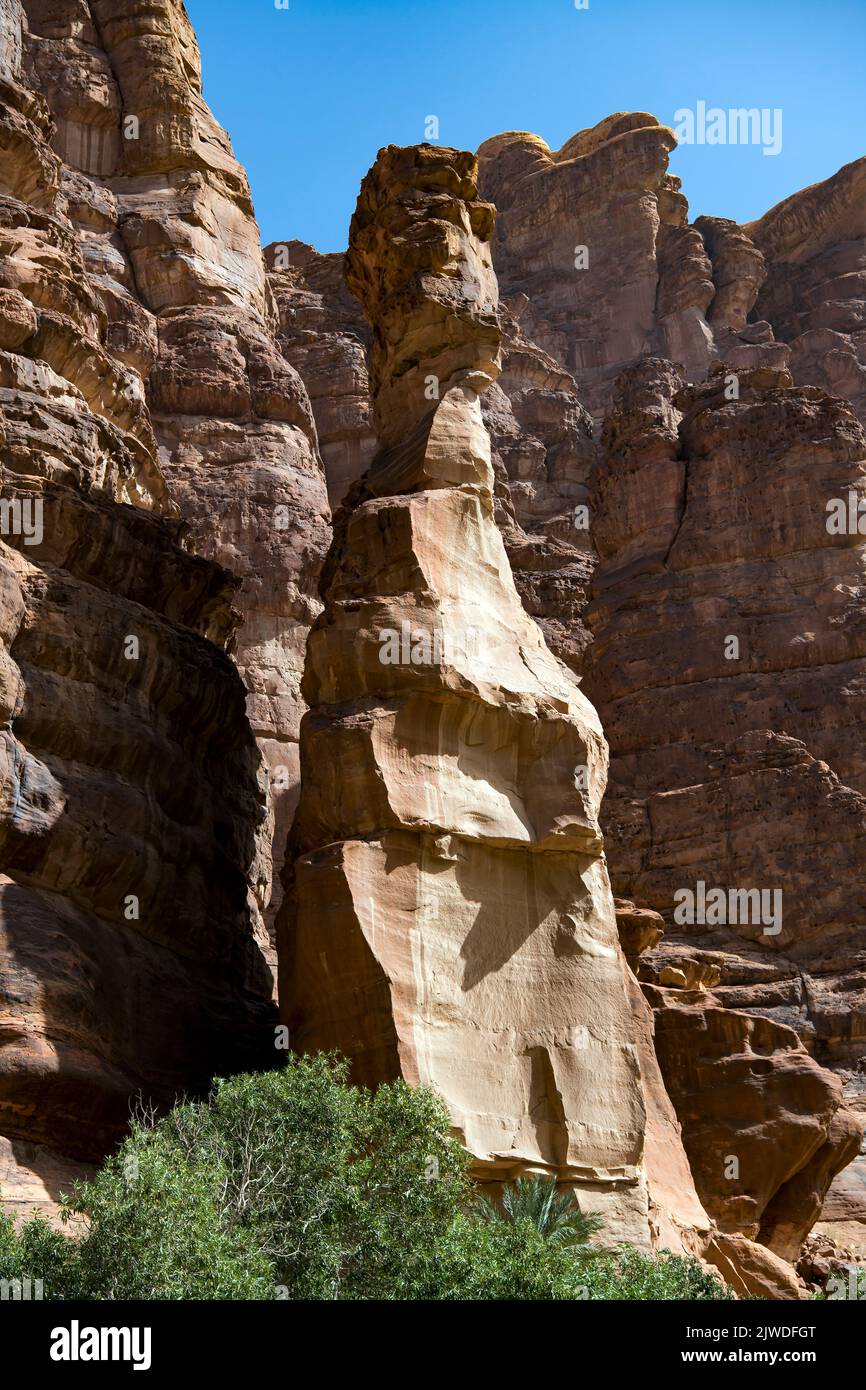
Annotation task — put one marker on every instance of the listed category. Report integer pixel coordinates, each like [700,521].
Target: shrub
[294,1184]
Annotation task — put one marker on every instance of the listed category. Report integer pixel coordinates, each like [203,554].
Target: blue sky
[310,93]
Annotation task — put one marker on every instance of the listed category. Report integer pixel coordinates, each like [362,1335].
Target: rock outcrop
[727,663]
[452,920]
[814,249]
[596,237]
[543,455]
[324,334]
[541,435]
[728,658]
[762,1123]
[610,474]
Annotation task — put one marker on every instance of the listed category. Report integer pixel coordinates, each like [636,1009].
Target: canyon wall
[814,249]
[162,217]
[595,239]
[620,473]
[132,804]
[724,486]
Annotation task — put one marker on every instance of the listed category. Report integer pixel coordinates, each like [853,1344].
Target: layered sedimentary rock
[728,665]
[814,248]
[762,1123]
[728,660]
[541,436]
[596,236]
[452,920]
[324,334]
[131,799]
[161,212]
[163,394]
[543,453]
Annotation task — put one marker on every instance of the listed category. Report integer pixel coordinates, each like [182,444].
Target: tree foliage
[294,1184]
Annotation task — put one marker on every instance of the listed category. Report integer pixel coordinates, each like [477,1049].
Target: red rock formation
[711,524]
[814,247]
[131,805]
[543,454]
[596,236]
[761,1122]
[727,658]
[172,261]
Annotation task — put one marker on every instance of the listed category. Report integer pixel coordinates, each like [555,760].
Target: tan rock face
[433,307]
[168,278]
[452,918]
[132,803]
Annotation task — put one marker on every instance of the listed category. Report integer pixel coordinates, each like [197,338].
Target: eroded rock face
[324,334]
[543,454]
[718,574]
[727,658]
[596,236]
[132,805]
[173,289]
[541,435]
[762,1122]
[452,917]
[814,248]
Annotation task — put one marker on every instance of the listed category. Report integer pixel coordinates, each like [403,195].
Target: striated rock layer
[728,661]
[161,212]
[595,237]
[132,955]
[452,920]
[814,249]
[449,918]
[324,334]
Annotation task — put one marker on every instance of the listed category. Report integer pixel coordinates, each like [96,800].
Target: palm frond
[555,1215]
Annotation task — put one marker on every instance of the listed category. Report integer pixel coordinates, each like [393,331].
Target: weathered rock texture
[132,805]
[324,334]
[739,767]
[596,237]
[543,454]
[541,436]
[172,263]
[814,249]
[452,920]
[164,390]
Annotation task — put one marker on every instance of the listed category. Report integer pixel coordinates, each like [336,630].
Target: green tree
[295,1184]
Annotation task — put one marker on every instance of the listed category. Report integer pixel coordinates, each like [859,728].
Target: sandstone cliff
[595,236]
[610,471]
[449,916]
[728,636]
[131,801]
[814,249]
[161,214]
[452,920]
